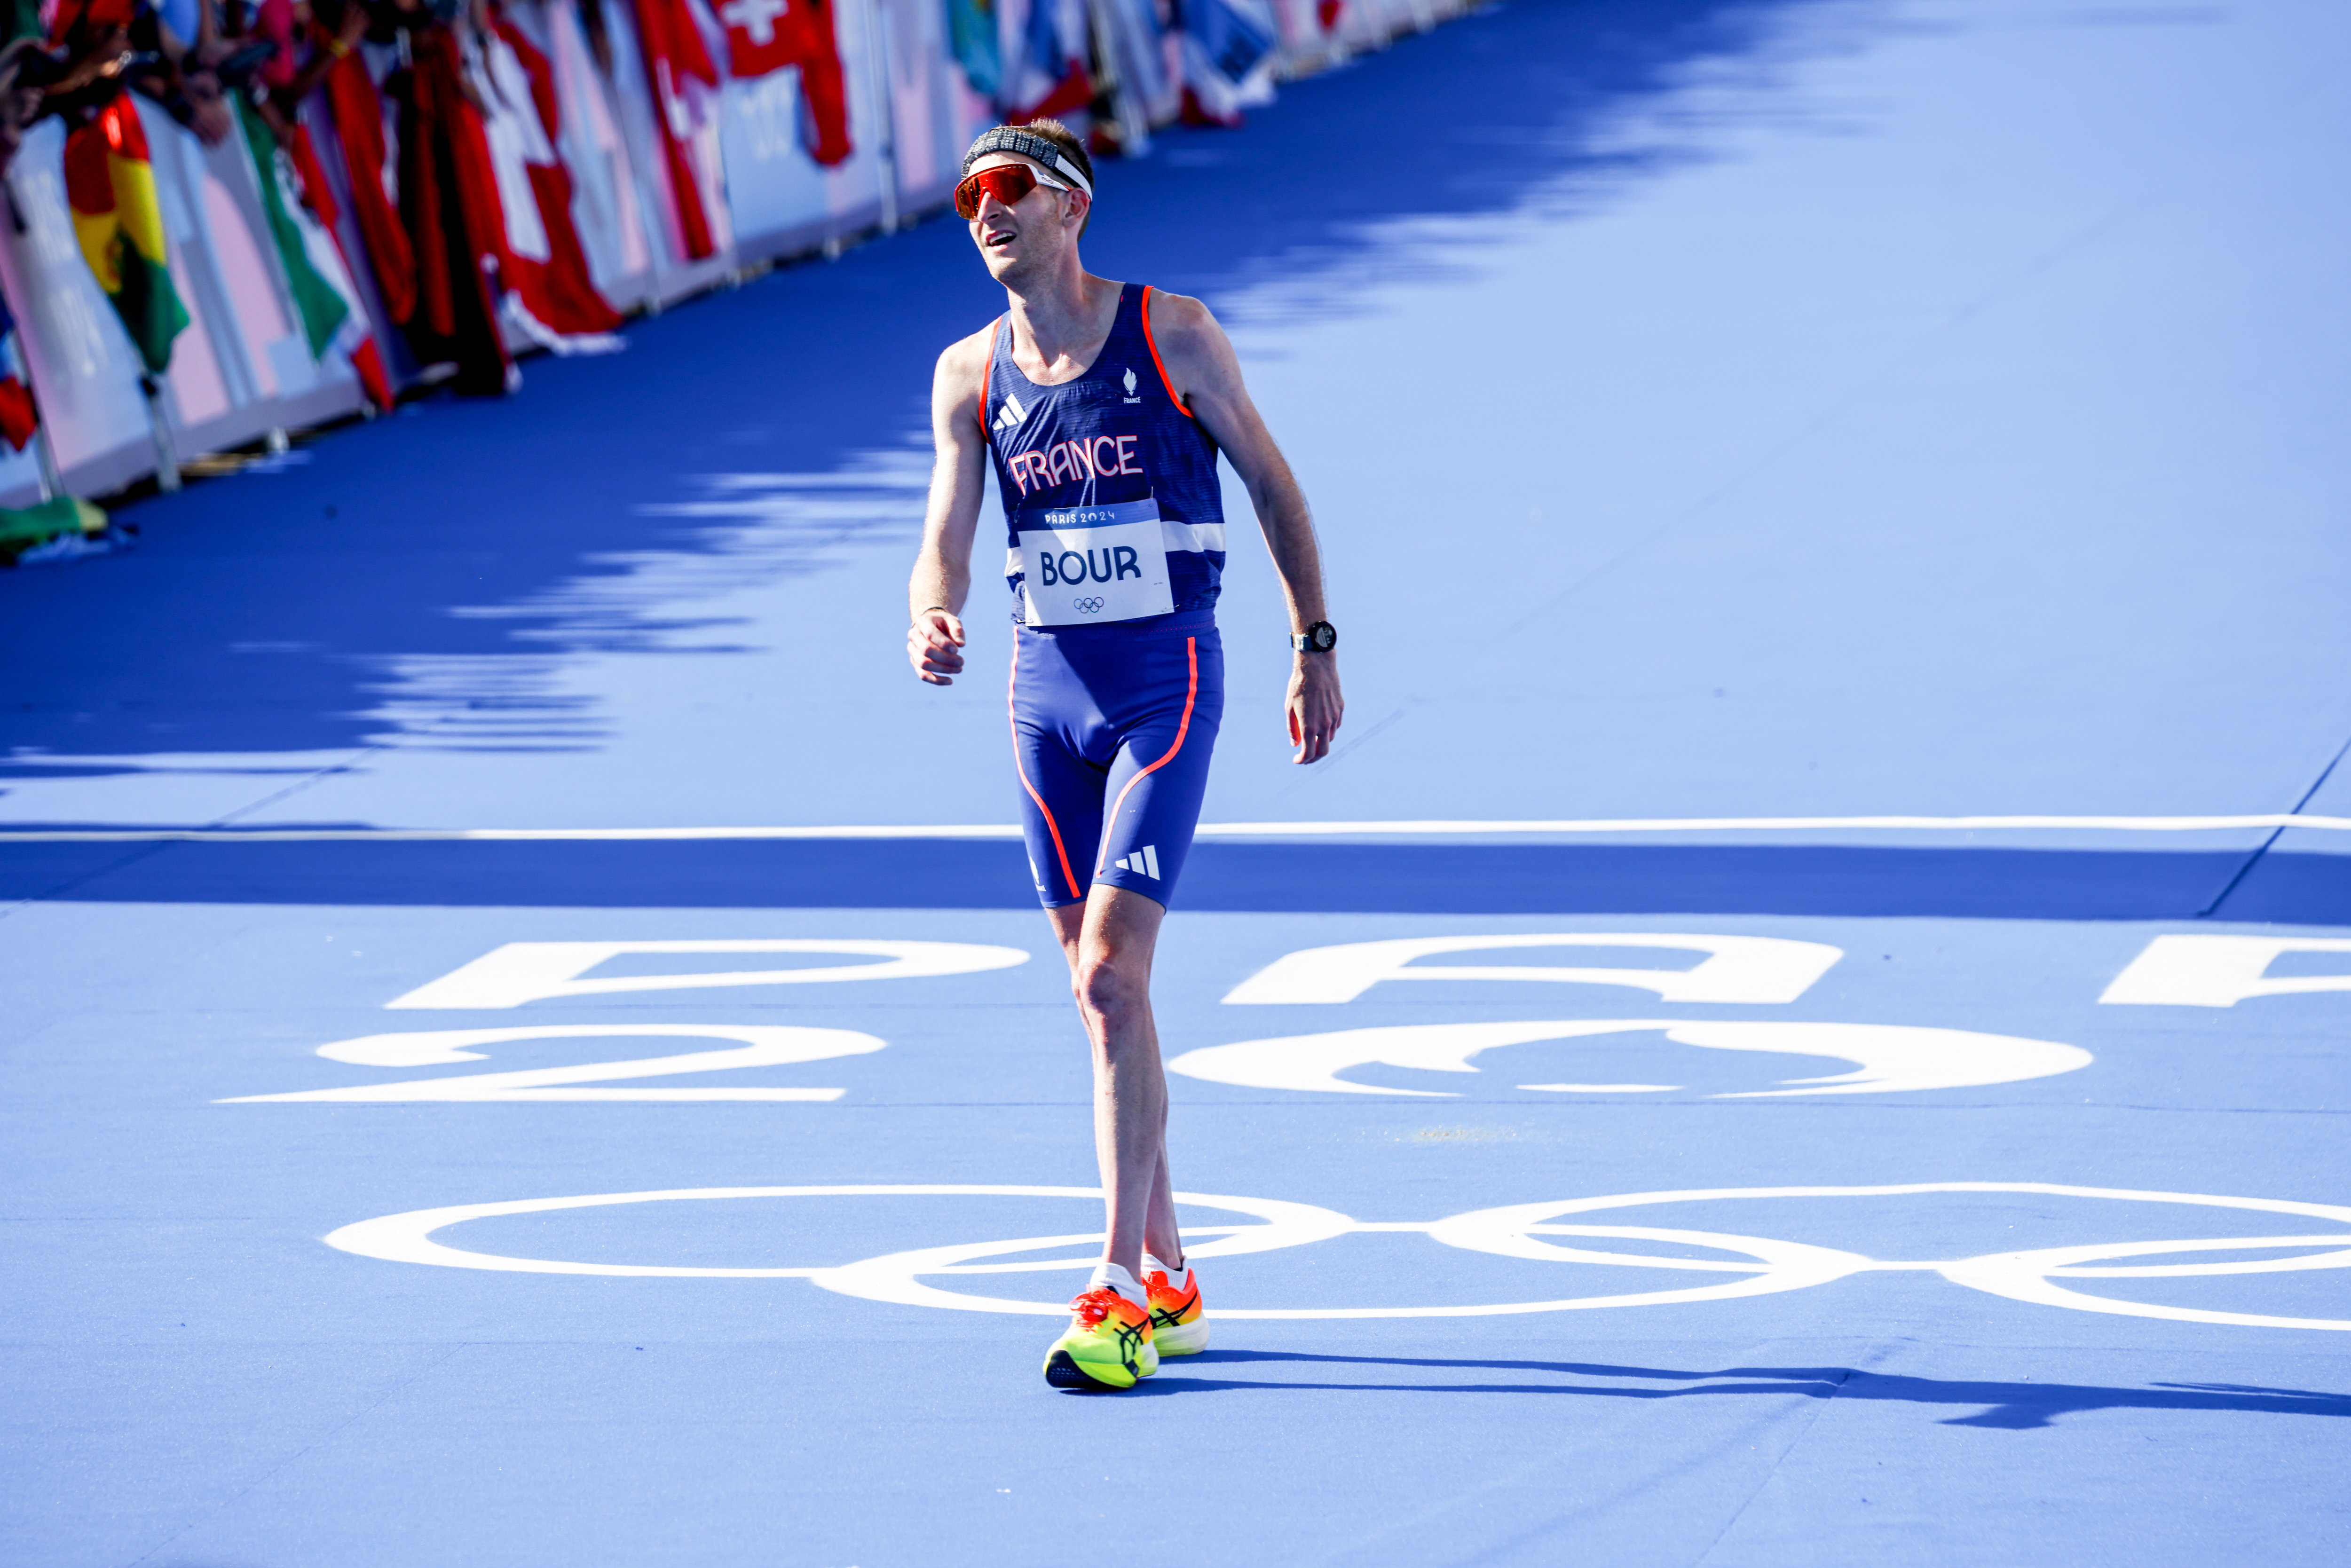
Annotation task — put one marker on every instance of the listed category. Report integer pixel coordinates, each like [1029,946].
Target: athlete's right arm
[943,571]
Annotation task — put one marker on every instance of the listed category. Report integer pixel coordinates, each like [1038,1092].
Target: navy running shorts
[1111,730]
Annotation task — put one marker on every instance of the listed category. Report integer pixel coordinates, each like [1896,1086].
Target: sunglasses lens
[1006,183]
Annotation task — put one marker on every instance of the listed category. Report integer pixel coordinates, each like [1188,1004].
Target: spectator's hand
[105,61]
[208,112]
[211,121]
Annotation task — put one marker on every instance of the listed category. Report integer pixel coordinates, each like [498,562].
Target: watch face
[1322,636]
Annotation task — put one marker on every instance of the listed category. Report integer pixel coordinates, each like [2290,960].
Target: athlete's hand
[935,647]
[1314,706]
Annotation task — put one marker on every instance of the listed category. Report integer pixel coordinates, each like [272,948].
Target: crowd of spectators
[230,69]
[189,56]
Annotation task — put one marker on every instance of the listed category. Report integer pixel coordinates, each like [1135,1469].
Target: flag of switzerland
[762,35]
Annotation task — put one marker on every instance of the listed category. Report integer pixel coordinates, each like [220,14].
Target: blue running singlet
[1113,721]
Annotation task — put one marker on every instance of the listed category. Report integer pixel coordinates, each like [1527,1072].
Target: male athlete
[1103,406]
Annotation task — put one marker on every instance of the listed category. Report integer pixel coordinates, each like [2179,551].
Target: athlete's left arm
[1206,377]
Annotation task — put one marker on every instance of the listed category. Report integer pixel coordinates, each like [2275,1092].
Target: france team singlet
[1116,549]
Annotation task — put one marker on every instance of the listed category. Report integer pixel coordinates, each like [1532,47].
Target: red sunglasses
[1007,182]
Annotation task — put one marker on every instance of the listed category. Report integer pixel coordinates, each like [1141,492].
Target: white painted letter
[523,972]
[2220,971]
[758,1045]
[1736,969]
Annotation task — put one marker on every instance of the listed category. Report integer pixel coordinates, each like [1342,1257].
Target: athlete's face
[1027,238]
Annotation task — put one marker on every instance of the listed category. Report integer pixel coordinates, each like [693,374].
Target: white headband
[1012,138]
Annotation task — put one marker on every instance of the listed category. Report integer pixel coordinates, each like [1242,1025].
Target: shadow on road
[2002,1407]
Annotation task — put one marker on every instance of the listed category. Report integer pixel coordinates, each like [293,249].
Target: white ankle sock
[1176,1278]
[1119,1280]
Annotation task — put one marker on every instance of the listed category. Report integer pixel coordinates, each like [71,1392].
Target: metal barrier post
[53,484]
[167,462]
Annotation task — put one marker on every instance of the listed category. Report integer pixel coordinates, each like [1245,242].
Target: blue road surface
[1802,1023]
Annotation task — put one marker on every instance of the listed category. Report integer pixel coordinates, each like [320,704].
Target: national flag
[1232,37]
[1051,57]
[300,208]
[357,112]
[316,300]
[684,81]
[313,192]
[111,188]
[449,196]
[971,38]
[1229,54]
[764,35]
[1138,71]
[545,271]
[19,416]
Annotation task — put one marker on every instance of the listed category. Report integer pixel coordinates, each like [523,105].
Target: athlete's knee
[1111,986]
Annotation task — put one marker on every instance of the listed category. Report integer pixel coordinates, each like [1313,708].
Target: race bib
[1090,564]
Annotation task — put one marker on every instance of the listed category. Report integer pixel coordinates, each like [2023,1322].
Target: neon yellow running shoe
[1107,1345]
[1179,1324]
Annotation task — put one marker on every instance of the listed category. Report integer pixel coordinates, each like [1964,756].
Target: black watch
[1318,638]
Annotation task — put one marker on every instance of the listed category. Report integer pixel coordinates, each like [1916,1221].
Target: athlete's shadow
[2012,1407]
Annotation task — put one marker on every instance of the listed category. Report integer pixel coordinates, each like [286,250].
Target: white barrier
[244,367]
[241,368]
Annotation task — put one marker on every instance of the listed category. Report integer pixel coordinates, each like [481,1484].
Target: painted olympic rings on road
[1518,1230]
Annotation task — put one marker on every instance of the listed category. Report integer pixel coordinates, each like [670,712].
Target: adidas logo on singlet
[1011,413]
[1144,862]
[1131,396]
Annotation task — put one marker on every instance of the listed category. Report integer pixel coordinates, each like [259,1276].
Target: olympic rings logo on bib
[1532,1232]
[1116,554]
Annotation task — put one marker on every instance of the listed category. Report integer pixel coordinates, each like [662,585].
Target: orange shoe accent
[1103,1302]
[1179,1322]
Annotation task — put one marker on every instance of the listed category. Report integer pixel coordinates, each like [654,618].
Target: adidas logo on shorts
[1144,862]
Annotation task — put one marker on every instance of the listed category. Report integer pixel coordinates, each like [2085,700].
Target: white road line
[1433,829]
[1770,824]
